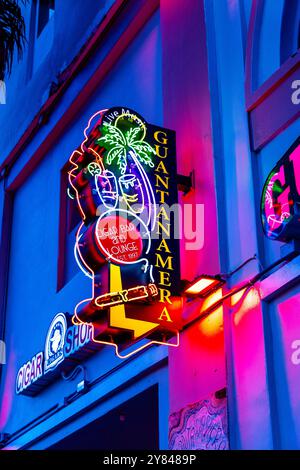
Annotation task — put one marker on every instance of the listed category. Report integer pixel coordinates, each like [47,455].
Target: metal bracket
[290,248]
[4,172]
[221,393]
[186,183]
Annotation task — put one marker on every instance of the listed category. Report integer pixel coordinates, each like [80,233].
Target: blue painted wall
[32,299]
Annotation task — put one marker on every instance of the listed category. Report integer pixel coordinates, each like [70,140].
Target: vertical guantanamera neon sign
[124,179]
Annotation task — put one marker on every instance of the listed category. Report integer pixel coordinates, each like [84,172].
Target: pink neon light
[8,387]
[88,126]
[295,158]
[276,214]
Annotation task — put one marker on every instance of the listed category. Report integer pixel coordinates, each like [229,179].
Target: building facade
[224,75]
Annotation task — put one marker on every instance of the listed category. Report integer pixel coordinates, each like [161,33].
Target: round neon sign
[119,239]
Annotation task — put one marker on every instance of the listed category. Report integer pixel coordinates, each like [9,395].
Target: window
[69,220]
[41,34]
[45,12]
[289,43]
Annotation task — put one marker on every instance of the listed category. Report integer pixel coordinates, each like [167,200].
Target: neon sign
[123,177]
[63,344]
[280,202]
[55,342]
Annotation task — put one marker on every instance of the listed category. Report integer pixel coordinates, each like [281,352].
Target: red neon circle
[119,239]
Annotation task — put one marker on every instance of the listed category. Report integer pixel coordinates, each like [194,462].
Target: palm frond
[142,145]
[12,34]
[112,137]
[143,150]
[112,154]
[132,134]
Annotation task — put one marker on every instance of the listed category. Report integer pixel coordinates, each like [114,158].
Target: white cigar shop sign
[65,344]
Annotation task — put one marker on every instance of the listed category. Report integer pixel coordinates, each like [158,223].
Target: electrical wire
[254,257]
[245,285]
[74,372]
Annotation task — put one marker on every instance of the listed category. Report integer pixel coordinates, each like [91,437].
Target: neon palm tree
[126,146]
[119,144]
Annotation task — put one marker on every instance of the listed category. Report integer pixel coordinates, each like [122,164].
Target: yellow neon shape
[117,313]
[122,296]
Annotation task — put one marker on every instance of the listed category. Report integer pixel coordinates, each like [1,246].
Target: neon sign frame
[280,200]
[105,144]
